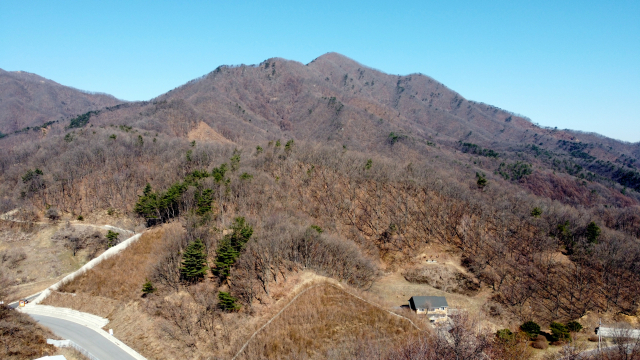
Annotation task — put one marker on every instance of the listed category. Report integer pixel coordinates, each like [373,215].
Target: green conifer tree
[147,287]
[226,302]
[593,232]
[225,258]
[112,238]
[194,262]
[231,246]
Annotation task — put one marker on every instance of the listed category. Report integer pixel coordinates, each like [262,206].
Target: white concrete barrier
[88,266]
[89,320]
[618,332]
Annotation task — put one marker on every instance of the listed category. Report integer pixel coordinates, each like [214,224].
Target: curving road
[15,304]
[87,338]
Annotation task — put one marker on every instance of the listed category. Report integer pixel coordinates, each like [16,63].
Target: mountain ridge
[30,100]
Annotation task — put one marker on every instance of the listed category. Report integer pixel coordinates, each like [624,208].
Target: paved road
[15,304]
[89,339]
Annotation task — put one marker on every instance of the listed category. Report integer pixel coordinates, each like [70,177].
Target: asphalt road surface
[16,303]
[89,339]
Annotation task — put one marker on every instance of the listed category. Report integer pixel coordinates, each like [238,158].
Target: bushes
[540,344]
[530,328]
[52,214]
[504,334]
[226,302]
[112,238]
[21,337]
[282,248]
[574,326]
[559,331]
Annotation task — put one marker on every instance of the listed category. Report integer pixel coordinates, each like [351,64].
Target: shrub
[227,302]
[112,238]
[504,334]
[530,328]
[542,345]
[288,146]
[53,214]
[246,176]
[540,337]
[574,326]
[368,165]
[593,338]
[147,288]
[536,212]
[80,218]
[559,331]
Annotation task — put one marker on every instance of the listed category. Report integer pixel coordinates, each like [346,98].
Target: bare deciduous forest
[282,170]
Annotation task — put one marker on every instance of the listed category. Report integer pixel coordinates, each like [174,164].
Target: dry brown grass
[121,276]
[45,260]
[325,322]
[21,337]
[70,354]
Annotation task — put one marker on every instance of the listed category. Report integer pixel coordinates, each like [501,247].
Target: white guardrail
[88,266]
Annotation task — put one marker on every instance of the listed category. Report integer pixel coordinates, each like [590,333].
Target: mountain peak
[335,58]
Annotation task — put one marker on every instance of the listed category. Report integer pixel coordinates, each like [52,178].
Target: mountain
[28,100]
[335,100]
[289,174]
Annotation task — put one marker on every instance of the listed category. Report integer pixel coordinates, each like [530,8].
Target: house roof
[426,302]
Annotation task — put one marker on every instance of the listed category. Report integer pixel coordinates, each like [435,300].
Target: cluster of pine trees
[158,207]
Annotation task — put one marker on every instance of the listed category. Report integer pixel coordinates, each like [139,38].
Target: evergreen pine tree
[231,246]
[226,302]
[147,288]
[147,190]
[593,232]
[112,238]
[194,262]
[225,258]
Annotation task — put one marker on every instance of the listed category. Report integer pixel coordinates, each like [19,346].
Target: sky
[565,64]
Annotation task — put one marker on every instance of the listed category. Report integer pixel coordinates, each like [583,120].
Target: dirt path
[313,287]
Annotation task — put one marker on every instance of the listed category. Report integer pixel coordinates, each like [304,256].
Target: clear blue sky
[570,64]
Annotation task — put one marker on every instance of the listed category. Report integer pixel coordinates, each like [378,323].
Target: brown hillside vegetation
[390,210]
[325,322]
[21,337]
[29,100]
[287,172]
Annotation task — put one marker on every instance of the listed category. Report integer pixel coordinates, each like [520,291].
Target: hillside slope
[28,100]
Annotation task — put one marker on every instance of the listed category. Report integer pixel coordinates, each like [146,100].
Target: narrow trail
[8,216]
[304,291]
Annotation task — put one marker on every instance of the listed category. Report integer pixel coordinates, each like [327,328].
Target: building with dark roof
[434,306]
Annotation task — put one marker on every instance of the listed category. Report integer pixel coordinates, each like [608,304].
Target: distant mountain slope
[335,100]
[28,100]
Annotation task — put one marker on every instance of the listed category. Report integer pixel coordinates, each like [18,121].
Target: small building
[434,306]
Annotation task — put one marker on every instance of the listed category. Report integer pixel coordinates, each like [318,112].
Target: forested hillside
[29,102]
[344,171]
